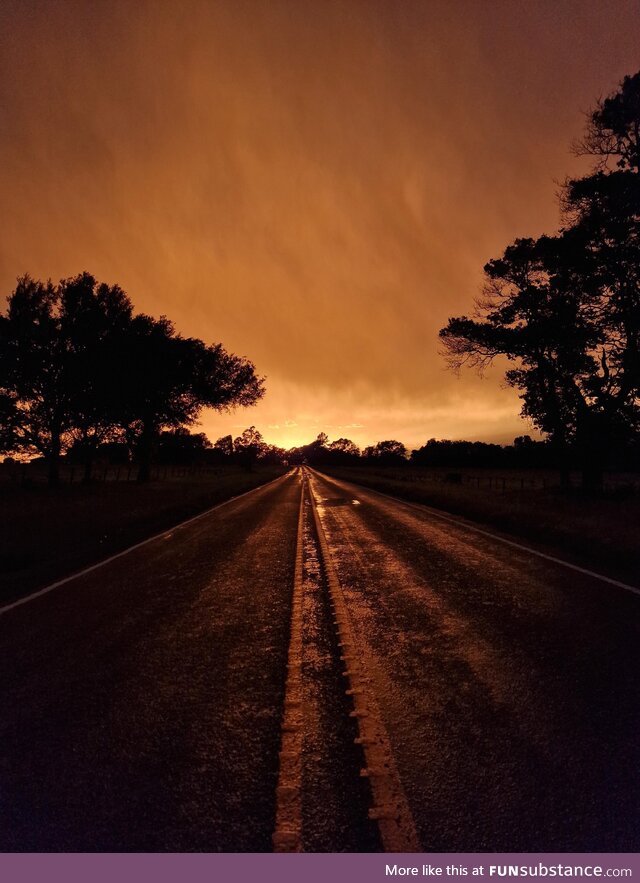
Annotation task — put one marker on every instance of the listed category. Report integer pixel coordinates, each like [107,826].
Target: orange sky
[317,184]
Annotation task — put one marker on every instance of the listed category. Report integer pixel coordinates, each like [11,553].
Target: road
[141,704]
[509,684]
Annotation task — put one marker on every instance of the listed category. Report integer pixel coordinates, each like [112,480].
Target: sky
[315,184]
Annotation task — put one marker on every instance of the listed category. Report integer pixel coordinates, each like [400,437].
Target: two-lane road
[510,684]
[141,704]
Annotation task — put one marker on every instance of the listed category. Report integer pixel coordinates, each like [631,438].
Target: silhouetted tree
[168,379]
[612,130]
[275,455]
[77,367]
[33,369]
[566,308]
[224,446]
[315,452]
[180,447]
[249,447]
[525,452]
[343,452]
[458,453]
[57,350]
[389,453]
[9,419]
[94,320]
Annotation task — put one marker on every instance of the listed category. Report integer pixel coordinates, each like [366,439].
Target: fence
[503,481]
[29,474]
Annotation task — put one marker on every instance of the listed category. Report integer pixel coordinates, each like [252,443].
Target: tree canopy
[77,366]
[565,308]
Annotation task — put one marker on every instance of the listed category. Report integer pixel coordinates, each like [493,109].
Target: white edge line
[67,579]
[422,507]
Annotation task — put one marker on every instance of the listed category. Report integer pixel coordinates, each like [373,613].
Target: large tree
[249,447]
[343,451]
[166,380]
[57,349]
[565,309]
[179,447]
[95,318]
[387,453]
[224,447]
[77,367]
[9,418]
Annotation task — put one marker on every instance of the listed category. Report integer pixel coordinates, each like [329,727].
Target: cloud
[316,185]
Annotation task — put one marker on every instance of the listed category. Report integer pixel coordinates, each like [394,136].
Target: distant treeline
[524,453]
[180,447]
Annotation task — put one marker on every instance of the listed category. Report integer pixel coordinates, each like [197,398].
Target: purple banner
[311,868]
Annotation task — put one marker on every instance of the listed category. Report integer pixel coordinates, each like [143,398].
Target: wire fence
[30,474]
[504,481]
[484,480]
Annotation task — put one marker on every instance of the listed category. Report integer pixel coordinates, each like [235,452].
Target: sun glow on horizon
[318,205]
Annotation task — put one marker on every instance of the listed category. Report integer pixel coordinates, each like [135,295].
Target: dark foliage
[79,370]
[565,309]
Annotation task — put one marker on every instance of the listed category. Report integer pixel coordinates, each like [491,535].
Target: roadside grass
[601,532]
[49,533]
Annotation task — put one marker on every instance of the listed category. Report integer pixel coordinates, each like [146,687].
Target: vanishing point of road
[315,666]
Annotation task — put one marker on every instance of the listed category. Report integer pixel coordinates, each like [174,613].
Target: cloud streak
[318,185]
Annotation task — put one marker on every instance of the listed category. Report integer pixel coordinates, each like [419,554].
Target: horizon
[331,438]
[317,187]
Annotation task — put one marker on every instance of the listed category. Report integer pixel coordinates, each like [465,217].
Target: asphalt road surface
[141,704]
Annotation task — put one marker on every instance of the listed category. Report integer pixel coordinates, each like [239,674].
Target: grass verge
[47,533]
[599,532]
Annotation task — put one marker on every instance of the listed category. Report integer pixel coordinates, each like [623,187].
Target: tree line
[565,308]
[80,370]
[180,447]
[524,453]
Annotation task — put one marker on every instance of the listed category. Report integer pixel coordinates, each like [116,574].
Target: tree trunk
[144,471]
[594,445]
[592,477]
[145,447]
[88,468]
[54,459]
[594,456]
[564,463]
[565,477]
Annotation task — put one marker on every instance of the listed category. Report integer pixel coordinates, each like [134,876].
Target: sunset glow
[316,185]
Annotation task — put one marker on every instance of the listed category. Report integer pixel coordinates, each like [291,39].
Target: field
[599,531]
[47,533]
